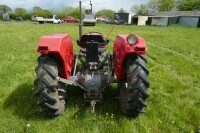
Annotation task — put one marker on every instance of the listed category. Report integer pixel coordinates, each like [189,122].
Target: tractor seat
[92,37]
[100,50]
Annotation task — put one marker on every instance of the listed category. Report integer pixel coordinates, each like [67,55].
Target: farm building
[186,18]
[162,20]
[123,16]
[142,20]
[134,20]
[6,17]
[154,20]
[139,20]
[193,21]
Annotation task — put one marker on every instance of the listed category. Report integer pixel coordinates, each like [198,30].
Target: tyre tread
[137,92]
[48,88]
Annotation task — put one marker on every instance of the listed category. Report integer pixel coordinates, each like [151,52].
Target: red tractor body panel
[59,44]
[120,51]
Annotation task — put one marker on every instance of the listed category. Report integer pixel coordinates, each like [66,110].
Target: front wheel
[133,90]
[52,95]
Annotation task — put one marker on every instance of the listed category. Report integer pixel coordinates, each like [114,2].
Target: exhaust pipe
[80,22]
[91,6]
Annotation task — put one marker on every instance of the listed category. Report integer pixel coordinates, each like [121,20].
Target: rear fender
[122,49]
[61,45]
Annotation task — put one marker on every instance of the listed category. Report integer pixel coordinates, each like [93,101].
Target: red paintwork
[70,20]
[59,44]
[121,49]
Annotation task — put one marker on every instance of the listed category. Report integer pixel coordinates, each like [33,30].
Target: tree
[166,5]
[38,11]
[139,9]
[5,8]
[188,5]
[67,10]
[152,6]
[135,9]
[42,13]
[75,13]
[70,11]
[20,12]
[37,8]
[106,13]
[121,11]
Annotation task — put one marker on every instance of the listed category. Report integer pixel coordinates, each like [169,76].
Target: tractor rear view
[58,68]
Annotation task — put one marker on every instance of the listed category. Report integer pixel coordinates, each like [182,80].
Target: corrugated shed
[142,20]
[189,21]
[159,21]
[176,13]
[186,18]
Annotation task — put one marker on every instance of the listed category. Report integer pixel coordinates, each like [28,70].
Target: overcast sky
[58,4]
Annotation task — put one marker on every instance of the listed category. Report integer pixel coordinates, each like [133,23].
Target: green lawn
[173,60]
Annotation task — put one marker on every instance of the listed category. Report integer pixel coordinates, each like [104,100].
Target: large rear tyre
[133,90]
[52,95]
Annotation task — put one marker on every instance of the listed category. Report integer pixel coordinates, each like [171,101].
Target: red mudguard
[121,49]
[61,45]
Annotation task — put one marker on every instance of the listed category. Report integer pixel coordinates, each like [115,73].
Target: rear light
[43,48]
[140,49]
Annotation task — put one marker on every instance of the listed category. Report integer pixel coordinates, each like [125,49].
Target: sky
[56,5]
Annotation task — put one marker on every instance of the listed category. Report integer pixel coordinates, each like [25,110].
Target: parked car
[113,21]
[70,19]
[19,19]
[89,19]
[121,21]
[101,18]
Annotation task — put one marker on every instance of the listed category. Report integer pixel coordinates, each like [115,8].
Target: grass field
[173,60]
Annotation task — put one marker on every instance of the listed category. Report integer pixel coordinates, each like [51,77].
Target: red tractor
[58,68]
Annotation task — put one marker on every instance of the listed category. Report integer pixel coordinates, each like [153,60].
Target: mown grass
[173,61]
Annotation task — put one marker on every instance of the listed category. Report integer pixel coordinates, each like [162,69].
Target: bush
[61,15]
[12,16]
[42,13]
[1,16]
[100,22]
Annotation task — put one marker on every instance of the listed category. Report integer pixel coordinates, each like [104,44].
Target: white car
[89,19]
[56,21]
